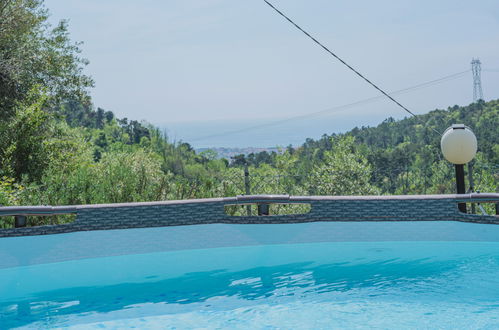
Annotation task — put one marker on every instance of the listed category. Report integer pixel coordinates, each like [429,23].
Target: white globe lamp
[459,147]
[458,144]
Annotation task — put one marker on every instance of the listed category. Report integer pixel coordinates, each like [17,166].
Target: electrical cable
[336,108]
[346,64]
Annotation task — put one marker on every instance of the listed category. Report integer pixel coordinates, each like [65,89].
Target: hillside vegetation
[56,148]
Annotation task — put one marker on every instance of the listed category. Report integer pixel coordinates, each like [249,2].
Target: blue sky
[210,60]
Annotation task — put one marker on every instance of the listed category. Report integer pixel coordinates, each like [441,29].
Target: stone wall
[207,211]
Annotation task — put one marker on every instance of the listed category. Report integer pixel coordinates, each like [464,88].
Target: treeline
[57,148]
[404,156]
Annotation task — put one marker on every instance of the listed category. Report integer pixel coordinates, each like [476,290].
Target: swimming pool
[437,274]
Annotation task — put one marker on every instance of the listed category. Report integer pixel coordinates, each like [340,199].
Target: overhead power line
[337,108]
[345,63]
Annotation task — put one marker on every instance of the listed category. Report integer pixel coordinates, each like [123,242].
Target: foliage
[343,172]
[32,53]
[23,148]
[9,191]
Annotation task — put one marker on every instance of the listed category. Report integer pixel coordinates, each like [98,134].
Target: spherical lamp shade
[458,144]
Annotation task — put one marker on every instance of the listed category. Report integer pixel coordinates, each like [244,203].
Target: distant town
[227,153]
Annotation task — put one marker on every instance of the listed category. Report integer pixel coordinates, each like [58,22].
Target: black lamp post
[460,185]
[459,146]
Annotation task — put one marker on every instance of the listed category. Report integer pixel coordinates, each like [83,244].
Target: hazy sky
[175,61]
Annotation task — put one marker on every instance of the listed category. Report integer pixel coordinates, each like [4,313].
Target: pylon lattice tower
[476,69]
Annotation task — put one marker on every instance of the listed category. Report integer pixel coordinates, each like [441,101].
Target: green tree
[343,172]
[33,53]
[24,136]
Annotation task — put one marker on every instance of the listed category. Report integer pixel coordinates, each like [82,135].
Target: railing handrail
[47,210]
[44,210]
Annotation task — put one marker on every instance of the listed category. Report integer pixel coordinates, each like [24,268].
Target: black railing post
[20,221]
[263,209]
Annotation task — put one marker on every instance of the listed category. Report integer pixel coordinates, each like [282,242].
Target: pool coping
[211,210]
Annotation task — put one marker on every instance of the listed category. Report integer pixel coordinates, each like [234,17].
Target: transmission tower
[477,79]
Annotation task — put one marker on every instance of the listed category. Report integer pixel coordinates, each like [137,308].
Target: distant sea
[261,133]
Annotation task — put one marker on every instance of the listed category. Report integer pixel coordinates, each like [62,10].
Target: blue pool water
[389,284]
